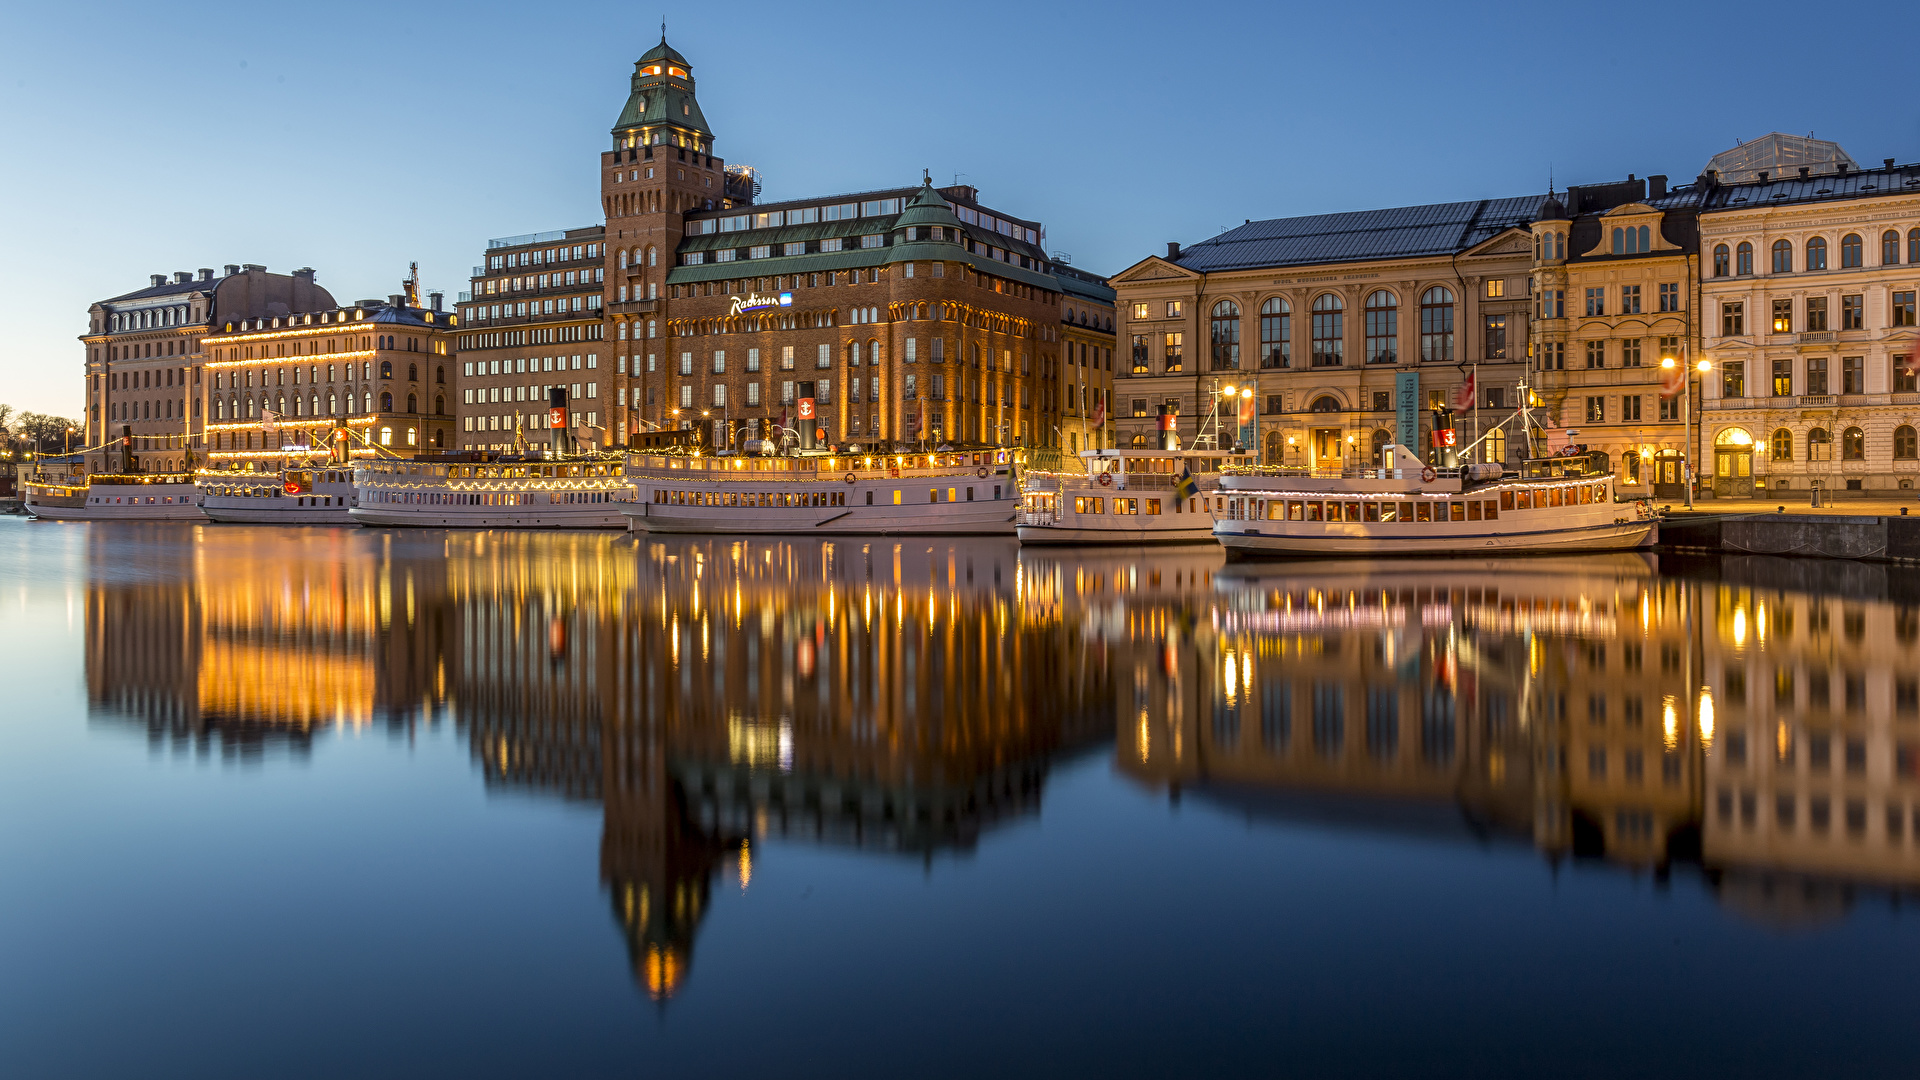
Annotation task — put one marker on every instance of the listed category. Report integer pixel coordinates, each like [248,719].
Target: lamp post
[1688,473]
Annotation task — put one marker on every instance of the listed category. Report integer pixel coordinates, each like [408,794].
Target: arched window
[1383,328]
[333,405]
[1782,445]
[440,374]
[1225,340]
[1819,445]
[1276,334]
[1852,250]
[1722,261]
[1436,326]
[386,436]
[220,409]
[1913,245]
[413,372]
[439,405]
[1782,257]
[1816,253]
[250,408]
[1889,248]
[1381,437]
[1325,403]
[1139,442]
[1743,258]
[1619,240]
[1495,446]
[653,257]
[623,258]
[413,403]
[1853,444]
[873,352]
[386,369]
[1906,444]
[853,354]
[1329,331]
[386,402]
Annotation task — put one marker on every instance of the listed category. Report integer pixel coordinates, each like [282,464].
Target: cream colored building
[1321,318]
[1614,295]
[1808,289]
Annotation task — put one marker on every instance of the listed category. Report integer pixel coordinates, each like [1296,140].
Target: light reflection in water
[903,697]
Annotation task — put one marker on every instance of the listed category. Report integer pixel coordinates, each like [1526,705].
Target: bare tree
[48,433]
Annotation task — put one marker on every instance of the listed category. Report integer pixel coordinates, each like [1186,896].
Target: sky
[356,138]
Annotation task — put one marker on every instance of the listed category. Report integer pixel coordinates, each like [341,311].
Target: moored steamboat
[1130,496]
[1410,508]
[487,491]
[292,496]
[114,497]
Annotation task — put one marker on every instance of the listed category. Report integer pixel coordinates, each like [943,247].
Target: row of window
[523,364]
[1819,813]
[1629,300]
[1853,314]
[1424,510]
[1853,444]
[1853,377]
[536,392]
[234,408]
[150,318]
[526,421]
[1739,260]
[1630,410]
[530,308]
[1328,333]
[243,379]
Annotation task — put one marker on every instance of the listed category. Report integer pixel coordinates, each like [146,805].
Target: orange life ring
[1427,475]
[1106,479]
[291,487]
[850,478]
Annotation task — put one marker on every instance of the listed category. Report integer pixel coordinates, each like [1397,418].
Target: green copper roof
[662,99]
[928,208]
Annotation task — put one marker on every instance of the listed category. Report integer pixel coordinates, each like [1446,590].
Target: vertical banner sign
[1246,423]
[1406,404]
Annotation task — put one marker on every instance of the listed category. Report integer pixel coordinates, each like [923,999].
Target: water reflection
[903,698]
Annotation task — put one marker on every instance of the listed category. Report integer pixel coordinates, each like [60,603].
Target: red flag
[1463,396]
[1672,381]
[1099,410]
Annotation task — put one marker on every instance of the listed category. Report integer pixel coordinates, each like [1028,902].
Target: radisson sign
[757,302]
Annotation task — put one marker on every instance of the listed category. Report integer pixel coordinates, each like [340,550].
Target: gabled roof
[1397,233]
[1865,184]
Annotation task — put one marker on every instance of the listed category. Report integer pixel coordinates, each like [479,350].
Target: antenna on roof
[663,29]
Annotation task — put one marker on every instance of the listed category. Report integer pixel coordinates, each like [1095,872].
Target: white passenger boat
[961,492]
[115,497]
[1409,508]
[487,491]
[295,496]
[1126,497]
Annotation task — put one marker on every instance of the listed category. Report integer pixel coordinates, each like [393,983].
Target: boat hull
[159,502]
[278,515]
[1086,537]
[986,518]
[555,516]
[1260,539]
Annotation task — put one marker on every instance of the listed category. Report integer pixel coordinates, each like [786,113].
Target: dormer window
[1632,240]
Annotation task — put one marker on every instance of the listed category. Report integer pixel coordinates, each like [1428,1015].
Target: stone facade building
[145,360]
[1086,356]
[902,314]
[281,386]
[1809,289]
[1614,294]
[1334,322]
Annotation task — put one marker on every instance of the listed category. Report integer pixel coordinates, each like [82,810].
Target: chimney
[1840,168]
[1804,170]
[232,269]
[396,300]
[1763,177]
[1886,163]
[1656,186]
[1173,249]
[251,267]
[304,272]
[434,298]
[157,279]
[181,277]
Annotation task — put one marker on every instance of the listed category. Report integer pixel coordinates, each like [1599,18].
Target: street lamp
[1686,419]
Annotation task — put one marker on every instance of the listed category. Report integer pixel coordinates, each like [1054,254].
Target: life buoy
[1427,474]
[981,472]
[850,478]
[1106,479]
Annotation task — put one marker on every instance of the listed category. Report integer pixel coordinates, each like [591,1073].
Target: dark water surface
[316,802]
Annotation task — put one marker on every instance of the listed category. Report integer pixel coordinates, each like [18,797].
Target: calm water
[312,802]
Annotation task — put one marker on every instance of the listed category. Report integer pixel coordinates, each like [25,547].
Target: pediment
[1152,268]
[1508,242]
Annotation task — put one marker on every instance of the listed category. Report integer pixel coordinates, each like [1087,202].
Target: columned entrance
[1733,464]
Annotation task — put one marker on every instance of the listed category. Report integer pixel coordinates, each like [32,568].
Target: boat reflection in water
[905,697]
[895,697]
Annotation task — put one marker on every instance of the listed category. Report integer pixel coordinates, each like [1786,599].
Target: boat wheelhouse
[479,490]
[1127,496]
[1409,508]
[293,496]
[115,497]
[959,492]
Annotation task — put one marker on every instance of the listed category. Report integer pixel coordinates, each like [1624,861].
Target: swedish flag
[1188,487]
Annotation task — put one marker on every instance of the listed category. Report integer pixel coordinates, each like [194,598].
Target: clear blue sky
[352,138]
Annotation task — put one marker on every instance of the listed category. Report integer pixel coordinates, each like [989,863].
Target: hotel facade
[902,314]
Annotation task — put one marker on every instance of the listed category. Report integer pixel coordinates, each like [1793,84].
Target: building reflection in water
[905,697]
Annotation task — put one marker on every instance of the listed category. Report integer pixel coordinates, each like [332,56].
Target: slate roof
[1398,233]
[1865,184]
[171,288]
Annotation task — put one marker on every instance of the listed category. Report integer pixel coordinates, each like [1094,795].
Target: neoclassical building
[1614,294]
[1332,322]
[1808,291]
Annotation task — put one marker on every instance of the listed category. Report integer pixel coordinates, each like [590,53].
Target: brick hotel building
[904,313]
